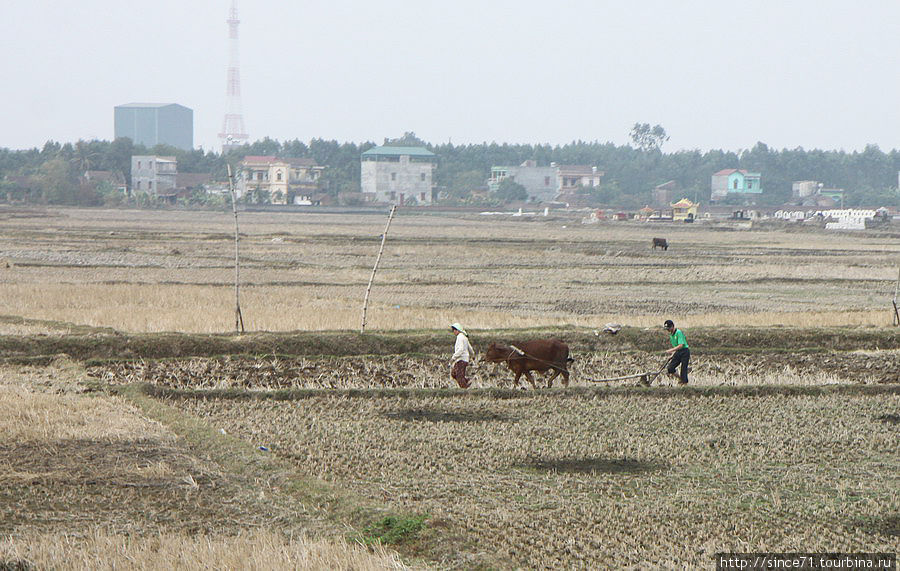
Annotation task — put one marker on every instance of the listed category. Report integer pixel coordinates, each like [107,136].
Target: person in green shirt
[680,353]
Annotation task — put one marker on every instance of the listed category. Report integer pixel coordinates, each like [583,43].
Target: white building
[545,184]
[397,175]
[152,174]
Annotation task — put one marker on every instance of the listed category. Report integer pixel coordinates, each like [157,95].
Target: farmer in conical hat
[462,354]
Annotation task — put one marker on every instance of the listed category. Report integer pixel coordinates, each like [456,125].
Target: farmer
[680,354]
[462,353]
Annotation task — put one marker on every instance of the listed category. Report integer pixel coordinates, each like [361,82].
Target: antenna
[233,133]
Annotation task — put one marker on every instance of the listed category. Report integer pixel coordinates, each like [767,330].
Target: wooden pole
[362,327]
[238,318]
[894,301]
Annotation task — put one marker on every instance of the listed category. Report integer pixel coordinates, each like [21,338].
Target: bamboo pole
[238,318]
[894,301]
[362,327]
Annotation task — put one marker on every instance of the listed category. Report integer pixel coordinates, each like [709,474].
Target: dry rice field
[140,432]
[140,271]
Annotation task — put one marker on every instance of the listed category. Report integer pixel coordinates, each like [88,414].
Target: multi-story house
[153,174]
[397,175]
[279,181]
[735,182]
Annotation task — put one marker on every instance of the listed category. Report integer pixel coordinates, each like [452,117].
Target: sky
[716,74]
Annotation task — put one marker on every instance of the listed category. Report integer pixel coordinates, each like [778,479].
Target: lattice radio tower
[233,133]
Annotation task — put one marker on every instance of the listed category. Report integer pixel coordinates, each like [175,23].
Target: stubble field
[785,440]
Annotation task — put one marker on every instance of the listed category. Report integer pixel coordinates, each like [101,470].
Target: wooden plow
[645,378]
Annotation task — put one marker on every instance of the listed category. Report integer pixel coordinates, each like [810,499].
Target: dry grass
[28,414]
[171,271]
[622,481]
[86,482]
[260,550]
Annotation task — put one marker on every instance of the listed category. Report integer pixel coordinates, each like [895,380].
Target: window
[393,196]
[139,164]
[393,177]
[278,176]
[749,184]
[259,175]
[422,196]
[422,175]
[735,184]
[149,185]
[546,181]
[139,185]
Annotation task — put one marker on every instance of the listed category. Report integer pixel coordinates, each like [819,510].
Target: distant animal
[541,355]
[661,242]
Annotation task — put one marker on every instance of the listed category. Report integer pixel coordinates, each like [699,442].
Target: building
[802,188]
[152,124]
[730,182]
[153,175]
[664,193]
[684,210]
[545,184]
[397,175]
[540,182]
[278,181]
[570,178]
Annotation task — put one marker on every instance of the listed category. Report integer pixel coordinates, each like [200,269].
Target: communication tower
[233,133]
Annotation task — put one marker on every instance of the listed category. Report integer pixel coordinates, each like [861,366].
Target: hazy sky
[716,74]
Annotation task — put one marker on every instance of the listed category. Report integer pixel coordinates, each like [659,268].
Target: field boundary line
[746,391]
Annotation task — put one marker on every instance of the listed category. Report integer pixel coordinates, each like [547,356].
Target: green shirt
[677,339]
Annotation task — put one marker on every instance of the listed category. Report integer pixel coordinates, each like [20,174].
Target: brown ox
[541,355]
[661,242]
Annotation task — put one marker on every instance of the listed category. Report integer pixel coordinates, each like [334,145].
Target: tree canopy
[631,171]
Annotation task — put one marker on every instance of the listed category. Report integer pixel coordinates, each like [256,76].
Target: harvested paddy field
[141,428]
[142,271]
[590,478]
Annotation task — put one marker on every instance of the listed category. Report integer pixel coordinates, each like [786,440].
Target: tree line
[53,174]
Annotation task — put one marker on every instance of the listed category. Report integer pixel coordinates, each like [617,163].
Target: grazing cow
[541,355]
[661,242]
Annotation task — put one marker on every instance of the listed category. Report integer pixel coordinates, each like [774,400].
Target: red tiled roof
[260,159]
[729,171]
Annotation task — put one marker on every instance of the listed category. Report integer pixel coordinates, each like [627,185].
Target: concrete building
[540,182]
[153,175]
[279,181]
[570,178]
[152,124]
[545,184]
[803,188]
[397,175]
[736,182]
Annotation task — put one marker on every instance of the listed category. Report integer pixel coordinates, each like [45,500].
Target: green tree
[509,190]
[57,181]
[648,138]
